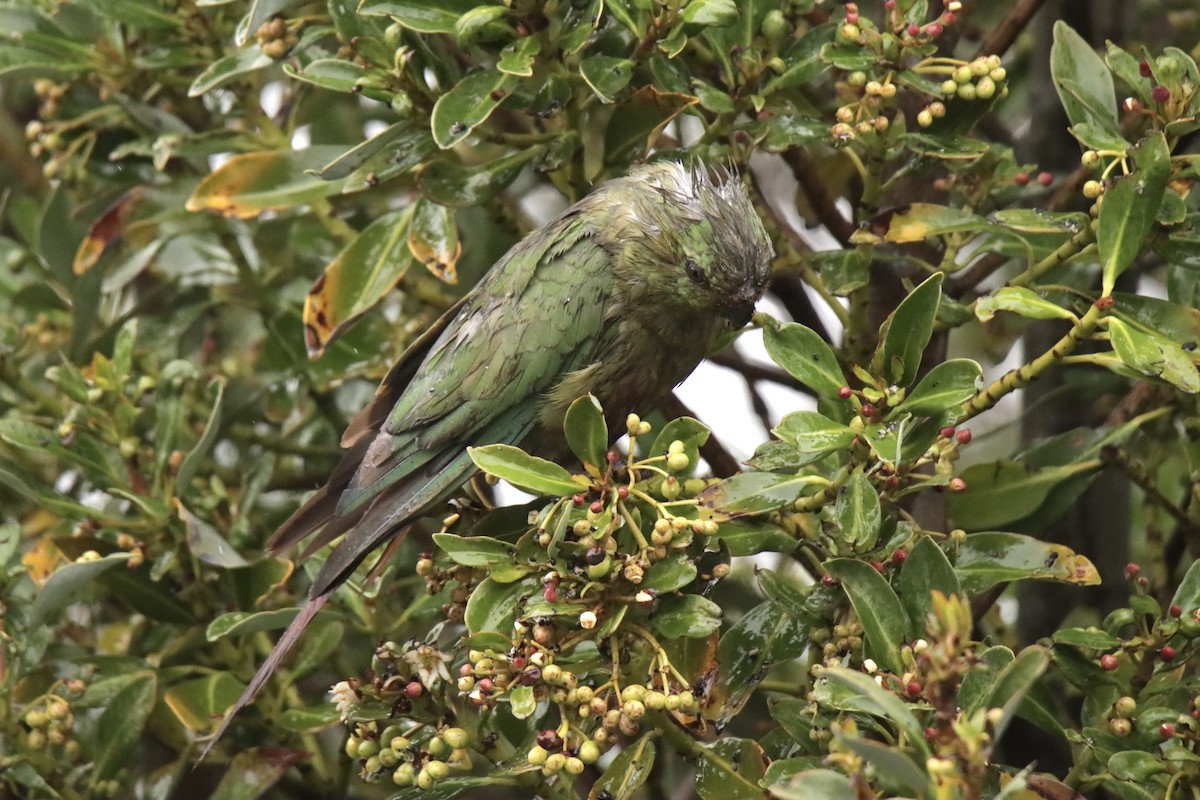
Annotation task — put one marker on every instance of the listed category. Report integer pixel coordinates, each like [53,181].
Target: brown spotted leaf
[358,278]
[433,239]
[105,231]
[251,183]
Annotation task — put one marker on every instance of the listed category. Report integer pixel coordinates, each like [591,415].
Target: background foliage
[222,220]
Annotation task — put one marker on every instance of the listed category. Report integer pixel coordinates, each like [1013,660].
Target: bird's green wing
[537,316]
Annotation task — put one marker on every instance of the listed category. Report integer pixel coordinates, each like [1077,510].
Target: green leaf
[475,551]
[814,784]
[1090,638]
[867,696]
[492,606]
[1154,356]
[627,772]
[517,57]
[1020,301]
[806,357]
[196,703]
[730,769]
[122,722]
[65,584]
[918,221]
[1187,595]
[813,433]
[240,623]
[205,543]
[527,473]
[882,614]
[422,16]
[309,720]
[250,184]
[253,772]
[750,537]
[1014,682]
[691,432]
[762,637]
[1001,492]
[1129,207]
[586,432]
[1084,84]
[671,573]
[466,106]
[710,13]
[943,390]
[606,75]
[522,703]
[989,558]
[1135,765]
[191,462]
[433,239]
[749,493]
[907,332]
[687,615]
[449,182]
[857,513]
[229,68]
[925,571]
[894,767]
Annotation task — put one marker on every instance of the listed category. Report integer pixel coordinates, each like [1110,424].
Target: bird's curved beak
[741,308]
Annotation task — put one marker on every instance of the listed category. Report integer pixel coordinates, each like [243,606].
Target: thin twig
[813,186]
[732,359]
[1004,34]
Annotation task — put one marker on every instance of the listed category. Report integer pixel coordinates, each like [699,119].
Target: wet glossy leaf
[710,13]
[806,356]
[1033,220]
[1135,765]
[358,278]
[229,68]
[813,433]
[528,473]
[471,101]
[926,570]
[749,493]
[310,720]
[882,614]
[240,623]
[814,784]
[730,769]
[919,221]
[357,156]
[517,58]
[691,432]
[433,239]
[627,772]
[122,721]
[251,773]
[1154,356]
[586,432]
[250,183]
[336,75]
[1020,301]
[993,557]
[750,537]
[943,390]
[492,606]
[857,513]
[1091,638]
[868,696]
[474,551]
[606,75]
[764,636]
[894,766]
[907,331]
[687,615]
[1187,595]
[1014,682]
[1084,84]
[423,16]
[208,437]
[671,573]
[522,703]
[1005,491]
[1130,205]
[205,543]
[450,183]
[196,703]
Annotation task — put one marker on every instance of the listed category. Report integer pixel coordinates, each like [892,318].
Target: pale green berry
[373,764]
[985,89]
[575,766]
[633,424]
[963,74]
[1092,189]
[924,118]
[457,737]
[967,91]
[424,779]
[537,755]
[676,447]
[949,87]
[554,763]
[403,776]
[677,462]
[552,673]
[1090,158]
[438,769]
[589,752]
[368,748]
[857,79]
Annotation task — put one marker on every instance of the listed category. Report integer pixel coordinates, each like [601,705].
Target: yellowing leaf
[357,279]
[251,183]
[433,239]
[104,231]
[41,560]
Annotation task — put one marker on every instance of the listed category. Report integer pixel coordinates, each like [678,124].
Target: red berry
[933,29]
[1105,303]
[1167,653]
[622,492]
[914,29]
[878,565]
[828,580]
[913,689]
[765,115]
[930,733]
[949,18]
[1045,178]
[867,410]
[550,593]
[889,4]
[1143,582]
[1144,68]
[946,432]
[596,507]
[484,685]
[963,436]
[958,485]
[465,670]
[1131,570]
[1160,94]
[577,500]
[413,690]
[845,392]
[1167,730]
[1175,611]
[1108,662]
[613,457]
[898,556]
[518,662]
[1021,179]
[852,18]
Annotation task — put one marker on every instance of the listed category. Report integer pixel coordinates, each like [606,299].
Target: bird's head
[703,235]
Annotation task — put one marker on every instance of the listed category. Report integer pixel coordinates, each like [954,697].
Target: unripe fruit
[457,738]
[537,755]
[1125,706]
[924,118]
[857,79]
[1092,189]
[554,763]
[850,33]
[1108,662]
[985,89]
[589,752]
[403,776]
[574,766]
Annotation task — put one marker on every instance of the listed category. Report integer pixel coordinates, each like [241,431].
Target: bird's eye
[695,272]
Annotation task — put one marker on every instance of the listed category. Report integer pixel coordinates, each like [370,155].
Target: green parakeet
[622,295]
